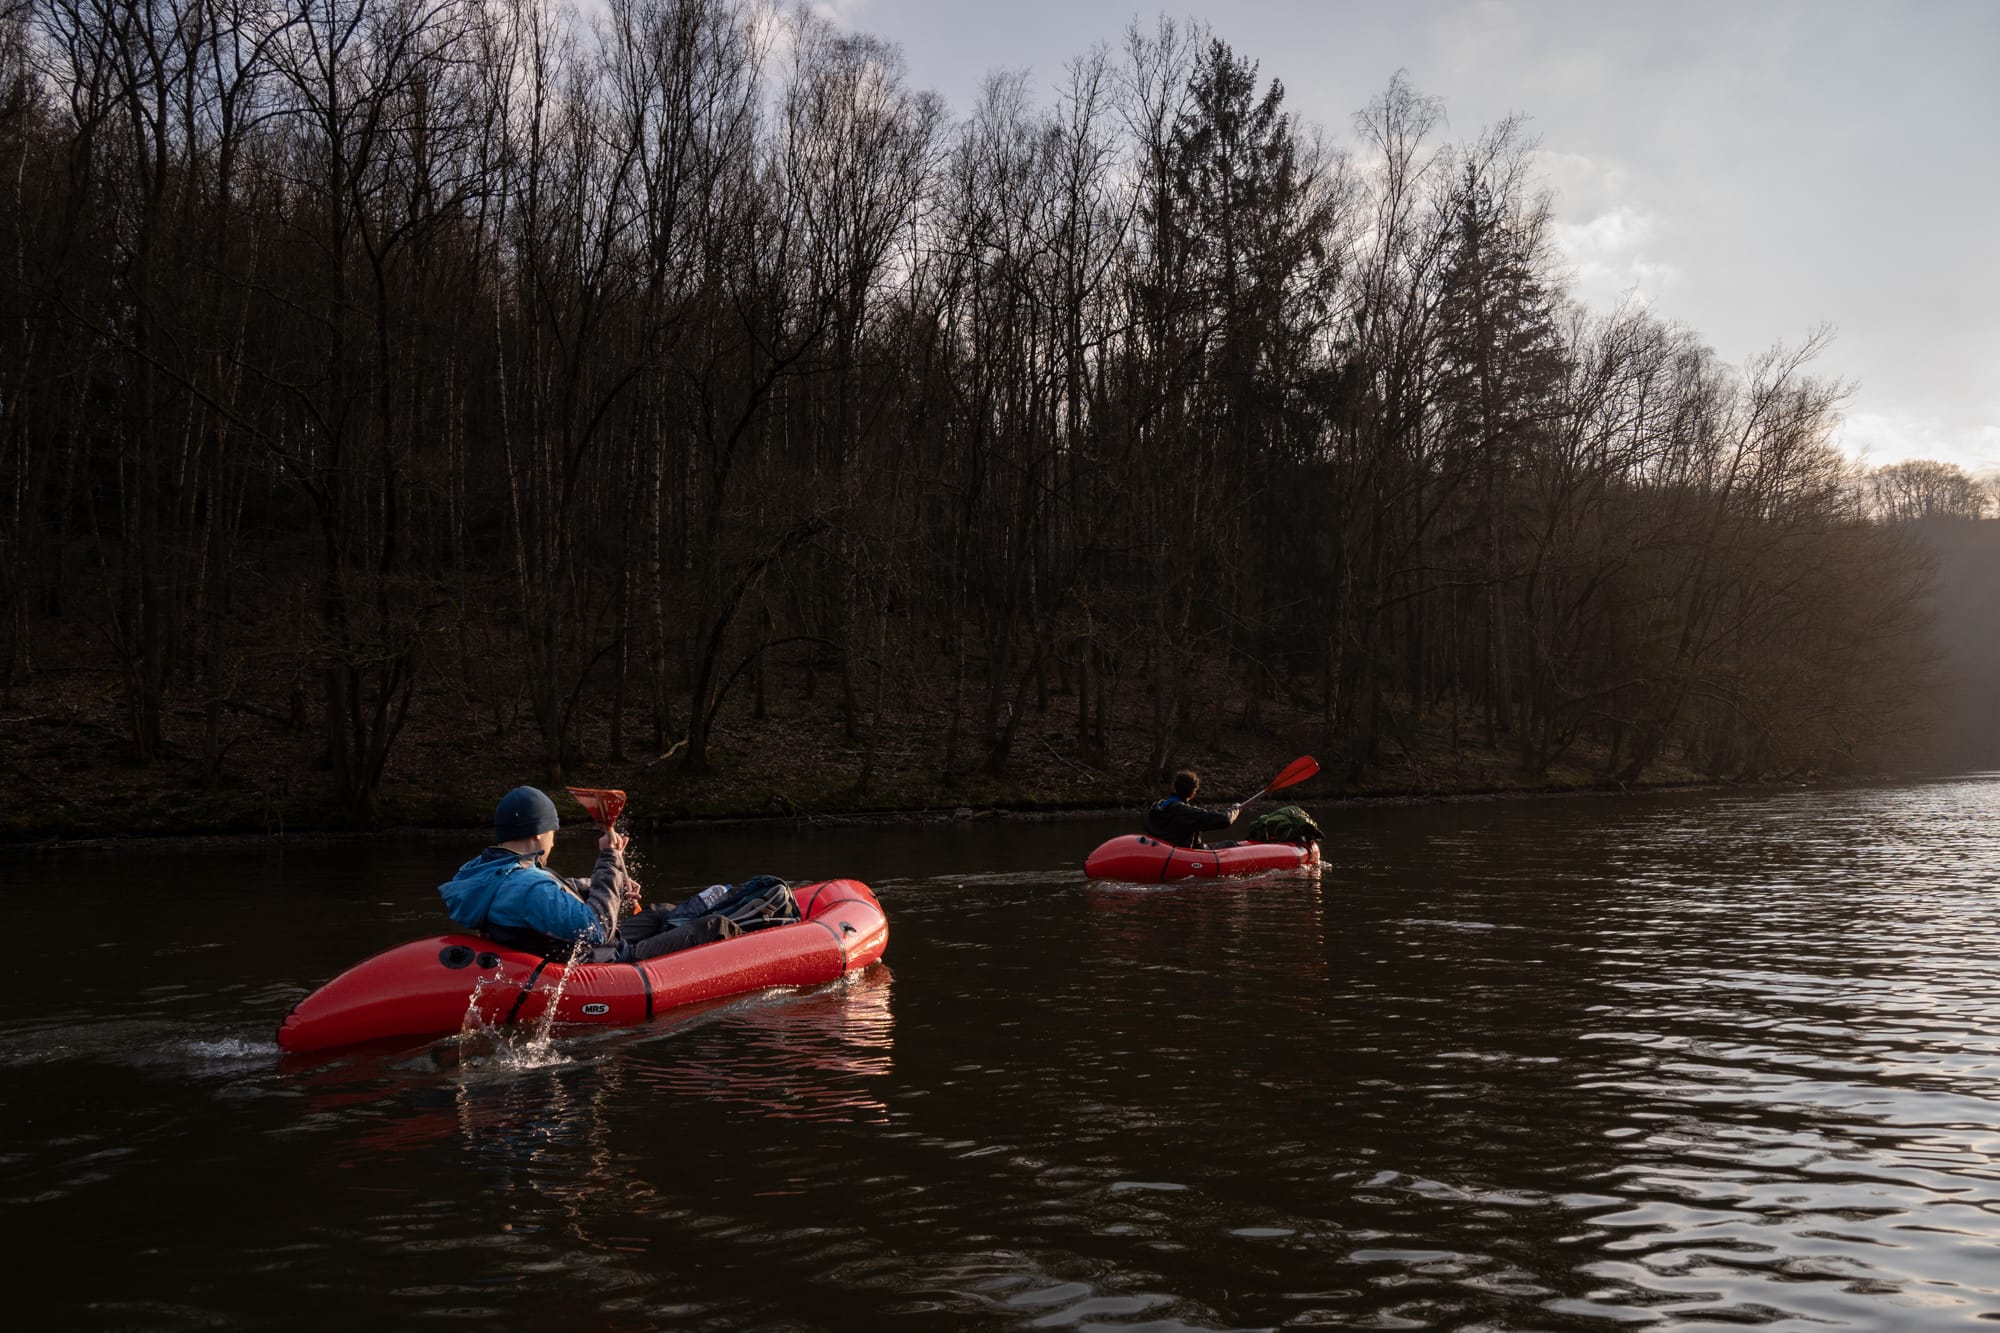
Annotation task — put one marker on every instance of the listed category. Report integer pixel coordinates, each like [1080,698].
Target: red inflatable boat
[1138,859]
[429,987]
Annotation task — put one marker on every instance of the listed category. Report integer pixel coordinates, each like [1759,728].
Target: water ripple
[1672,1062]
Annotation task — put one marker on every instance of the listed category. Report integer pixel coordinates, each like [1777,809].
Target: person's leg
[702,930]
[644,925]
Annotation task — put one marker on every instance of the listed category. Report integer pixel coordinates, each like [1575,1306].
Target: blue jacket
[505,890]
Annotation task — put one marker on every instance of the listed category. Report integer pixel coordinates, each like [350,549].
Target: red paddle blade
[1295,772]
[602,804]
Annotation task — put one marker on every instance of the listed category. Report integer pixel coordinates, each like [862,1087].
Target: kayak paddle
[1290,776]
[604,805]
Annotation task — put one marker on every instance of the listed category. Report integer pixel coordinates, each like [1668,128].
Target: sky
[1753,169]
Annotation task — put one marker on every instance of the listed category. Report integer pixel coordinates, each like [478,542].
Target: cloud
[851,14]
[1611,243]
[1610,260]
[1880,438]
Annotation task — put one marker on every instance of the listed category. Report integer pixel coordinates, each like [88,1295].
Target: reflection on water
[815,1057]
[1671,1062]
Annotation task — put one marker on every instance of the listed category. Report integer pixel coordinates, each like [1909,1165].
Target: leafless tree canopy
[369,343]
[1919,489]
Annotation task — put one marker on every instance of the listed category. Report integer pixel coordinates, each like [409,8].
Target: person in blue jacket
[1176,819]
[507,895]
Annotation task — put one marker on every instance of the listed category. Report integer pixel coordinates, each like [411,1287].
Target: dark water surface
[1673,1061]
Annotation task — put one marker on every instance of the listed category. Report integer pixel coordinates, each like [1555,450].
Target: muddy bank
[578,830]
[68,783]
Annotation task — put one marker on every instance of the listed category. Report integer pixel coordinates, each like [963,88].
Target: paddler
[507,895]
[1176,819]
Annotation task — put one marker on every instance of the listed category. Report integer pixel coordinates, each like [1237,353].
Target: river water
[1673,1062]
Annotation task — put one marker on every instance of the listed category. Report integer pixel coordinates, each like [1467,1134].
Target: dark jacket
[1174,820]
[512,900]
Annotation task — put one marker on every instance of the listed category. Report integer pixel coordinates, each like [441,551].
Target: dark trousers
[646,934]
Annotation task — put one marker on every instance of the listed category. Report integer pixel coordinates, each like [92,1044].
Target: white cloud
[850,14]
[1613,247]
[1612,243]
[1879,438]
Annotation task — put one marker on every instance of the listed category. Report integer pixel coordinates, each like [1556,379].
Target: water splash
[233,1050]
[503,1045]
[539,1048]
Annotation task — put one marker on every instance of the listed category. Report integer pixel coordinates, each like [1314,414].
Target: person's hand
[611,840]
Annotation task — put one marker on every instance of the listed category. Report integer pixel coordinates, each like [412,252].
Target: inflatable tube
[1138,859]
[428,987]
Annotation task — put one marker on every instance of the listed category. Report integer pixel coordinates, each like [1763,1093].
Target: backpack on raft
[760,901]
[1287,823]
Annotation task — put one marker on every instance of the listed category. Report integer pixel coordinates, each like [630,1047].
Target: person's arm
[607,881]
[1213,819]
[1182,823]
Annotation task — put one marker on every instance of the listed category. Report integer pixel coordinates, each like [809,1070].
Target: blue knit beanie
[522,813]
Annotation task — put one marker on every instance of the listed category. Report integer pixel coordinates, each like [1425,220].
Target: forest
[570,392]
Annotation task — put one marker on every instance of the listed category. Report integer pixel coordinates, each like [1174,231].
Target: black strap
[522,998]
[646,980]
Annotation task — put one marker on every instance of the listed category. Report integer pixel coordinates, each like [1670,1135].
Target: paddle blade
[1295,772]
[602,804]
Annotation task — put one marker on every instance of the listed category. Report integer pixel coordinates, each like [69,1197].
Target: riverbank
[69,785]
[456,834]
